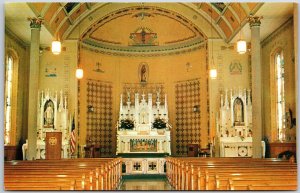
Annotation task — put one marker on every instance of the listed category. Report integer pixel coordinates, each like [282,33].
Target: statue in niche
[143,72]
[238,111]
[49,114]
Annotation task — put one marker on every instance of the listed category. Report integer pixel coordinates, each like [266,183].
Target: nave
[181,174]
[124,96]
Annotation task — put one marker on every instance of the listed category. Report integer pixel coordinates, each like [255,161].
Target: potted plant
[159,124]
[127,124]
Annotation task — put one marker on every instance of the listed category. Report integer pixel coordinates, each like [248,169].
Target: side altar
[52,117]
[143,135]
[234,124]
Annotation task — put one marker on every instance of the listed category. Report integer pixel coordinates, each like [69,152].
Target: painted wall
[163,69]
[20,87]
[57,73]
[282,38]
[233,73]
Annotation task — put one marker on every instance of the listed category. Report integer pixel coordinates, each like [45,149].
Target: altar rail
[231,174]
[65,174]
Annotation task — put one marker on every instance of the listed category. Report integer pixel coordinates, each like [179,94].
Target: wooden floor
[145,184]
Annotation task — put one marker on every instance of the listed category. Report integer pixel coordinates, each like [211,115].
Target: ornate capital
[254,20]
[35,22]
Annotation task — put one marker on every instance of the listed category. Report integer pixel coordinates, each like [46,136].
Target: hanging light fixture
[241,44]
[56,45]
[213,71]
[79,70]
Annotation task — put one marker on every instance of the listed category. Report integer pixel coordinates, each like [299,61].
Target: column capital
[254,20]
[35,22]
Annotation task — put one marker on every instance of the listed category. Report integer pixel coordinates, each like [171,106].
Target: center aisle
[145,184]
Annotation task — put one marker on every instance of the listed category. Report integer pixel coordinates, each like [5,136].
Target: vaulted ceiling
[61,17]
[165,26]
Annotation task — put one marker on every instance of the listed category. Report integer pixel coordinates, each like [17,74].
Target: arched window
[280,102]
[8,99]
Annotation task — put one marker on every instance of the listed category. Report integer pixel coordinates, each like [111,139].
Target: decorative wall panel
[187,117]
[99,116]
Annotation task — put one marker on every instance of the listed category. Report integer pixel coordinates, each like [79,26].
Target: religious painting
[143,145]
[235,68]
[143,73]
[49,114]
[143,37]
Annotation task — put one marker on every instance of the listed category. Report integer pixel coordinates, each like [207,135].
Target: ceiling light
[79,73]
[213,73]
[241,46]
[56,47]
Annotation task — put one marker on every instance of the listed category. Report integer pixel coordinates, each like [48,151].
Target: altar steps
[145,184]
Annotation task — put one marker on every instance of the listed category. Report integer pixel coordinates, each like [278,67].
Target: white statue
[49,115]
[238,111]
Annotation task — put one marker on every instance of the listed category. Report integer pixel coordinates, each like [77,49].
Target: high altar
[52,117]
[143,138]
[234,124]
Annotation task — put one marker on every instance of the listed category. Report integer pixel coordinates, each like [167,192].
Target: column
[256,86]
[35,25]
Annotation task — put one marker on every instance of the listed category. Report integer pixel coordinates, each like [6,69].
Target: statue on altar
[52,115]
[140,133]
[238,111]
[48,114]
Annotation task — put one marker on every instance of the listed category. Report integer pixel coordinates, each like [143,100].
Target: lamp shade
[56,47]
[241,46]
[213,73]
[79,73]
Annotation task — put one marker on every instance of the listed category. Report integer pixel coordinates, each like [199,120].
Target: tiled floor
[145,184]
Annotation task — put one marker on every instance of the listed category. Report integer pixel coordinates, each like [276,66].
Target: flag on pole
[73,137]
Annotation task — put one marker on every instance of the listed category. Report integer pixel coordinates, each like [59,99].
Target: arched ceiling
[59,17]
[144,27]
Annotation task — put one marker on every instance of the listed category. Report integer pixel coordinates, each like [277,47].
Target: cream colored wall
[20,95]
[65,64]
[223,56]
[164,69]
[282,38]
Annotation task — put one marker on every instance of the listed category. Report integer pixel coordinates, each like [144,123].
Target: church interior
[150,95]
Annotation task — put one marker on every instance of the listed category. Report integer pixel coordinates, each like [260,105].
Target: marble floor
[145,184]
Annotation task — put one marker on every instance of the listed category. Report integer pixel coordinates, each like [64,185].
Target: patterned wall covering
[147,88]
[99,122]
[187,118]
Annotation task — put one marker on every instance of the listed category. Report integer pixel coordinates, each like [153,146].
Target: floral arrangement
[159,123]
[127,124]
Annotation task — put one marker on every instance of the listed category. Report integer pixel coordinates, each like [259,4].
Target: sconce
[90,109]
[196,109]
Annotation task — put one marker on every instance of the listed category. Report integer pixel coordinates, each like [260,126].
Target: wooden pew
[193,173]
[74,174]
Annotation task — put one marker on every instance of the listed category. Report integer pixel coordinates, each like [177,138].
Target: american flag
[73,137]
